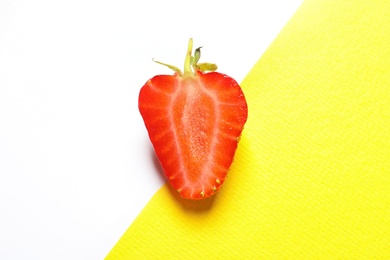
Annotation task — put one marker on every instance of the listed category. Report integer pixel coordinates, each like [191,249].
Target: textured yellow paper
[311,177]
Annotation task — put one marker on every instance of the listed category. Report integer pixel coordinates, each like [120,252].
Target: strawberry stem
[191,63]
[187,62]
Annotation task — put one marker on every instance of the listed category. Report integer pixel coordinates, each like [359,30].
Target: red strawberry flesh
[194,122]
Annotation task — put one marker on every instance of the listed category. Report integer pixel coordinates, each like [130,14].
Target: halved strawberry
[194,120]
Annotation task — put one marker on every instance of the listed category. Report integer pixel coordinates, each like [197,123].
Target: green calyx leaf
[175,69]
[201,66]
[206,67]
[191,64]
[196,57]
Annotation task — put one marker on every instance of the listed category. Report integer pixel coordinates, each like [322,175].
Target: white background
[76,165]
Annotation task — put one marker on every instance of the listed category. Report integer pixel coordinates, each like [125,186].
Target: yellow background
[311,177]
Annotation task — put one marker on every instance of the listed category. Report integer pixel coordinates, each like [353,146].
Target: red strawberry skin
[194,123]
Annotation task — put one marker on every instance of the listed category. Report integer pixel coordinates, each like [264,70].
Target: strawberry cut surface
[194,121]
